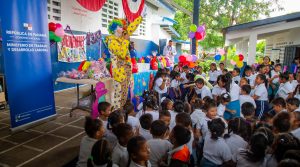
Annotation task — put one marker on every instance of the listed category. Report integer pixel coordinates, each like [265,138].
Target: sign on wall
[72,48]
[27,61]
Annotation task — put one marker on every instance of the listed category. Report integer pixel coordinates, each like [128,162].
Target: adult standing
[170,51]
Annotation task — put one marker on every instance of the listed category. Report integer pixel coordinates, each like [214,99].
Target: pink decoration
[100,91]
[189,58]
[191,35]
[284,68]
[60,32]
[232,62]
[58,25]
[201,29]
[295,70]
[221,51]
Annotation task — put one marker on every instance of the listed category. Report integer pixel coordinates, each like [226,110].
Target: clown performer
[118,44]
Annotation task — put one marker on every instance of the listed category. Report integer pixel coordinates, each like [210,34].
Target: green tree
[218,14]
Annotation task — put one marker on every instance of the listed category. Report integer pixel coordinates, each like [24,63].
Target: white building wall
[81,19]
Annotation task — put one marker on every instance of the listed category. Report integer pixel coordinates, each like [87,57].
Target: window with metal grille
[109,11]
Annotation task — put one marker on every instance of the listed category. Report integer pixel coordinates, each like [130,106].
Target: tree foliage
[218,14]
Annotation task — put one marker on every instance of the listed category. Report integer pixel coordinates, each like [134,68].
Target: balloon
[51,36]
[57,39]
[222,58]
[236,58]
[241,57]
[240,64]
[191,35]
[60,32]
[232,62]
[201,29]
[217,57]
[52,26]
[182,58]
[221,51]
[198,36]
[58,25]
[194,58]
[193,28]
[191,65]
[189,58]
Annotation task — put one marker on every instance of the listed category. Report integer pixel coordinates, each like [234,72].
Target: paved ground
[54,143]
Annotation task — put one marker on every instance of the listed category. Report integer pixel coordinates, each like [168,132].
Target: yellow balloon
[240,64]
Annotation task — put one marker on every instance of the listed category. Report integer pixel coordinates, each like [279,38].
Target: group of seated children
[188,120]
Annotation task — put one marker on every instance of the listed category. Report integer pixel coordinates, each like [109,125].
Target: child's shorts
[261,108]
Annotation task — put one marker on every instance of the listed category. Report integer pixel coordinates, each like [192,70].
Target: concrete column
[196,22]
[252,49]
[242,47]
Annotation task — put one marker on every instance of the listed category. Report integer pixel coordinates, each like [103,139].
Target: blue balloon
[147,60]
[218,57]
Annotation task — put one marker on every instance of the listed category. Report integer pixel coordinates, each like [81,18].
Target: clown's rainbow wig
[113,25]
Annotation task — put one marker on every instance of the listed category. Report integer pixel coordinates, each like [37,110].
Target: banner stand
[33,124]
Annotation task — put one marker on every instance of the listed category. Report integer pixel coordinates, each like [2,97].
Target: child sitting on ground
[114,119]
[237,135]
[180,154]
[165,116]
[285,89]
[94,129]
[201,89]
[174,90]
[248,112]
[279,105]
[130,118]
[159,145]
[245,95]
[123,132]
[139,152]
[101,155]
[104,109]
[293,104]
[215,152]
[146,121]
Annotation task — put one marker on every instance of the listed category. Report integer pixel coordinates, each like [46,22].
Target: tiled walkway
[53,144]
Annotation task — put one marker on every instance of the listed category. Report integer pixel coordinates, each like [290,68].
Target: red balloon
[52,26]
[182,58]
[241,57]
[198,36]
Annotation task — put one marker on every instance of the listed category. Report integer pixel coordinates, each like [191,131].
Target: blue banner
[27,63]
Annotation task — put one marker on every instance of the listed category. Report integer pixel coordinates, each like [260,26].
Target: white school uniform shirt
[261,91]
[216,151]
[158,148]
[183,76]
[213,75]
[155,114]
[202,125]
[251,79]
[86,146]
[175,84]
[296,133]
[204,91]
[145,133]
[235,142]
[236,79]
[247,98]
[111,138]
[241,159]
[221,109]
[234,91]
[294,84]
[120,155]
[273,74]
[157,84]
[196,116]
[217,90]
[134,122]
[203,75]
[173,119]
[284,90]
[133,164]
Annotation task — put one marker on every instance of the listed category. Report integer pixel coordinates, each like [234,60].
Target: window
[56,11]
[56,18]
[109,12]
[55,3]
[48,16]
[48,9]
[48,1]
